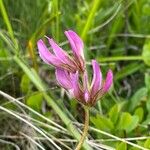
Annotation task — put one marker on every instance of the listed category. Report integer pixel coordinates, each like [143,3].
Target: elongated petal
[59,52]
[43,51]
[85,81]
[76,43]
[76,87]
[86,96]
[108,81]
[63,78]
[97,78]
[46,55]
[85,87]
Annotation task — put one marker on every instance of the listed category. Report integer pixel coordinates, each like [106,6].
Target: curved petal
[108,81]
[43,51]
[85,87]
[46,55]
[75,83]
[85,81]
[97,78]
[59,52]
[63,78]
[76,43]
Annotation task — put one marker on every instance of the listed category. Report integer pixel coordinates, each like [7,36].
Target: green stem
[120,58]
[90,19]
[8,24]
[85,130]
[6,19]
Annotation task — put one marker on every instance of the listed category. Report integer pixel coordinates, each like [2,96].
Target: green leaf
[139,112]
[122,146]
[127,122]
[25,83]
[35,101]
[148,104]
[136,98]
[102,123]
[147,81]
[146,53]
[146,9]
[133,124]
[147,120]
[114,113]
[147,143]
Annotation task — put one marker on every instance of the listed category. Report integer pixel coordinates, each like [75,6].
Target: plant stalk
[85,130]
[120,58]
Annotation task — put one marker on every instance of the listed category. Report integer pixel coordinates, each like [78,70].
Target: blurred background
[35,113]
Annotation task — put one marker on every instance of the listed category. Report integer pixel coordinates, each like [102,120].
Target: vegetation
[35,113]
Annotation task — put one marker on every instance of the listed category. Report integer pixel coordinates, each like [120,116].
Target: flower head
[85,94]
[59,58]
[71,72]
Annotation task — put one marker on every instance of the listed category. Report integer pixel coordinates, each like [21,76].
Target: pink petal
[108,81]
[85,87]
[86,96]
[43,51]
[85,81]
[97,78]
[62,55]
[46,55]
[76,88]
[76,43]
[63,78]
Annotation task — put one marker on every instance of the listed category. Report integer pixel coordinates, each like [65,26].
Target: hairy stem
[85,130]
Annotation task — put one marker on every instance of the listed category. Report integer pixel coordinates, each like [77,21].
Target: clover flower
[59,58]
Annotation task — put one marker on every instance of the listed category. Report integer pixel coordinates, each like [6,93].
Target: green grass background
[35,113]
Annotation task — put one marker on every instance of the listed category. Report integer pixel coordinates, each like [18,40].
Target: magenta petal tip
[63,78]
[75,42]
[108,81]
[43,51]
[97,77]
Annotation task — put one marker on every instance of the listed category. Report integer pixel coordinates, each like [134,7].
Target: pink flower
[59,58]
[85,94]
[71,72]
